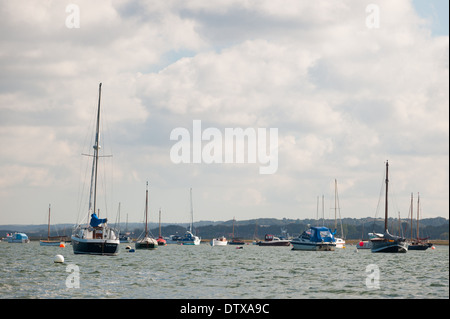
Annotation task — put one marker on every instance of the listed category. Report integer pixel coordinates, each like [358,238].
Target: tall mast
[386,199]
[160,222]
[146,209]
[48,230]
[335,203]
[97,146]
[93,191]
[411,215]
[317,212]
[418,205]
[192,213]
[323,212]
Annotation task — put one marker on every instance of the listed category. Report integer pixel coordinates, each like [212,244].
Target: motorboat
[220,241]
[315,239]
[189,239]
[340,243]
[271,240]
[20,238]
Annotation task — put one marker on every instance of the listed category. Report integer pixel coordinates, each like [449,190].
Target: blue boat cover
[95,221]
[319,234]
[21,236]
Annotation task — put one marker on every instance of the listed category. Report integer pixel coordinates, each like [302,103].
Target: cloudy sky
[348,84]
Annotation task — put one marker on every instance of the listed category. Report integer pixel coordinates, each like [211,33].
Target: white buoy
[58,259]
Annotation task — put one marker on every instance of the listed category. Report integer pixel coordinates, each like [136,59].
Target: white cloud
[344,97]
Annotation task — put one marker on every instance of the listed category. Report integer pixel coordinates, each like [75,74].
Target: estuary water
[205,272]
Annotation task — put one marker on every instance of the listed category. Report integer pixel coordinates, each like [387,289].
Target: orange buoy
[62,245]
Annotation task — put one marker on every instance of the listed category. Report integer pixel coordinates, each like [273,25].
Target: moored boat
[95,238]
[146,242]
[220,241]
[52,240]
[387,243]
[172,239]
[161,241]
[18,238]
[417,243]
[315,239]
[271,240]
[189,238]
[340,243]
[235,240]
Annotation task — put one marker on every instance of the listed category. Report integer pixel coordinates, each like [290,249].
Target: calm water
[205,272]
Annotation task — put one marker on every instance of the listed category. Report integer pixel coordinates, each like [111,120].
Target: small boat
[418,243]
[364,244]
[271,240]
[125,236]
[387,243]
[20,238]
[172,239]
[235,240]
[340,243]
[52,240]
[315,239]
[147,242]
[95,238]
[189,238]
[220,241]
[161,241]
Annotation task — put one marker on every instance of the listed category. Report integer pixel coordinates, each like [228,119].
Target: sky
[347,85]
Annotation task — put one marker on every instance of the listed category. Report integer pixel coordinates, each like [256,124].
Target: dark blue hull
[389,247]
[95,247]
[420,246]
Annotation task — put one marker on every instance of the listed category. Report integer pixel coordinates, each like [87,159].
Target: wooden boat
[52,240]
[235,240]
[387,243]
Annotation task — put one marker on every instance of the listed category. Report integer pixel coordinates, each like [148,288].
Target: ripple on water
[207,272]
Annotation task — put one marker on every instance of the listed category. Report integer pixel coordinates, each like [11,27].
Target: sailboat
[125,236]
[146,242]
[387,243]
[418,243]
[161,241]
[340,242]
[95,238]
[189,238]
[51,240]
[235,240]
